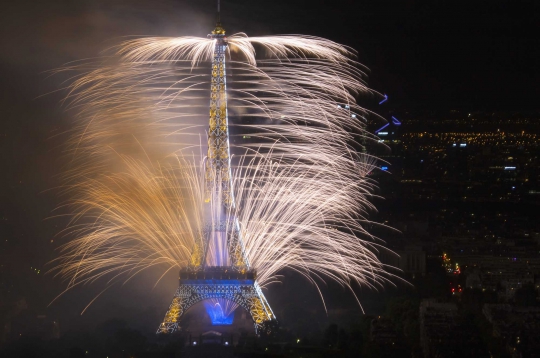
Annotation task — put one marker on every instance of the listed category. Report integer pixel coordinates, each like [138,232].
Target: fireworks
[220,311]
[299,181]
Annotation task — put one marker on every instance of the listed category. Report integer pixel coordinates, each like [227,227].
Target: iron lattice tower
[232,278]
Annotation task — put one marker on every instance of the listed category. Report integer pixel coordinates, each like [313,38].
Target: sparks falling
[299,182]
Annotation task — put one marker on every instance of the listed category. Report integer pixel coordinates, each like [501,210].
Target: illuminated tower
[219,267]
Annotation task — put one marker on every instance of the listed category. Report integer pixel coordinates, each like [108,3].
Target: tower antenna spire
[218,30]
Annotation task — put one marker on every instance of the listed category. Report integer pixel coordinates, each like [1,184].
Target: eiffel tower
[219,266]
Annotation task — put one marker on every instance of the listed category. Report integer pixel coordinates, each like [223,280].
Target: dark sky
[423,54]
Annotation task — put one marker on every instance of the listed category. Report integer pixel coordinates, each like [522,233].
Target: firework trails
[286,171]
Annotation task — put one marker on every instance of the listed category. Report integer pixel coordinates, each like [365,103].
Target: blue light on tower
[218,314]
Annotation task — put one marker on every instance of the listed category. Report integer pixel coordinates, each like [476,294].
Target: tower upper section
[222,238]
[218,168]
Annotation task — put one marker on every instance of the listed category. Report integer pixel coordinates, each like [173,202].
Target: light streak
[383,127]
[221,311]
[136,179]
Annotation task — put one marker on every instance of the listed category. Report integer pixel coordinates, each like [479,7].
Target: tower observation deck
[219,266]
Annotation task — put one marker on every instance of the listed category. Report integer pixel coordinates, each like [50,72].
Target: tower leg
[170,322]
[258,306]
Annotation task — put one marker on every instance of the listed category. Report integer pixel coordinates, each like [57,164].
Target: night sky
[431,54]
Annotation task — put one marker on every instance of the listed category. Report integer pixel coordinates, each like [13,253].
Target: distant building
[517,327]
[511,285]
[12,309]
[28,323]
[412,260]
[444,334]
[436,322]
[381,331]
[473,281]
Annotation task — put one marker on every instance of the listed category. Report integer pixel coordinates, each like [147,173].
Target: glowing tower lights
[141,199]
[230,278]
